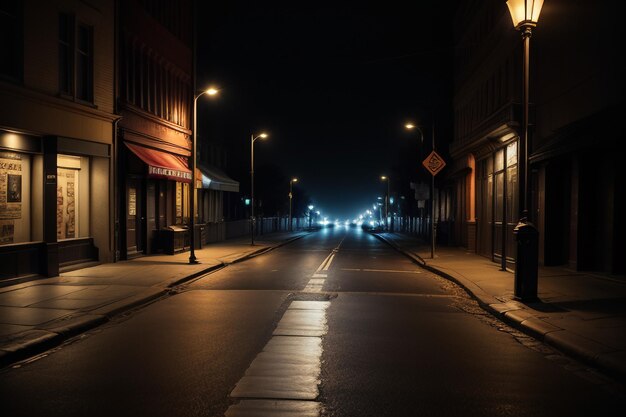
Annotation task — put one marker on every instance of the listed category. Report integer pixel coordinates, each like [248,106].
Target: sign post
[433,164]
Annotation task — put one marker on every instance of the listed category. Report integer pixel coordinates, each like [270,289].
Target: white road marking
[283,378]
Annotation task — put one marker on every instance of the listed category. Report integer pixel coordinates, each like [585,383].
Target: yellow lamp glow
[524,12]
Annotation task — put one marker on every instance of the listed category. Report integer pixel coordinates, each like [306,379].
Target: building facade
[154,142]
[56,135]
[576,97]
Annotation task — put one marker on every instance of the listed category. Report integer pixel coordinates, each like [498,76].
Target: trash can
[174,239]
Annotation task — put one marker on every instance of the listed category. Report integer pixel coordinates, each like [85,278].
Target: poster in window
[10,185]
[7,231]
[179,200]
[14,194]
[67,184]
[132,201]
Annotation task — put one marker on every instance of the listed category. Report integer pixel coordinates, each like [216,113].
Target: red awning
[162,164]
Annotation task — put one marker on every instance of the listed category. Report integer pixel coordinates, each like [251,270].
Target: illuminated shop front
[156,197]
[54,203]
[497,204]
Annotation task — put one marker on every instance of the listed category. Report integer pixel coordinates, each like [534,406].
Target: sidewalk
[581,314]
[40,314]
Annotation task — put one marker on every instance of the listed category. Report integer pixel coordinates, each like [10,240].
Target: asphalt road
[378,336]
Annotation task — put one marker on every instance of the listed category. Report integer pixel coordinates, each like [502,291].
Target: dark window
[84,63]
[11,39]
[66,32]
[75,58]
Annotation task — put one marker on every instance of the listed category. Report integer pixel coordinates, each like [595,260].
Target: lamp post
[385,178]
[525,14]
[311,207]
[192,192]
[252,219]
[411,126]
[290,198]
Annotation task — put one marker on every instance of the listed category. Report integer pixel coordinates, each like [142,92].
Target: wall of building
[576,97]
[42,115]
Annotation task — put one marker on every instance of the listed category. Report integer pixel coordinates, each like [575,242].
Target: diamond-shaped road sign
[434,163]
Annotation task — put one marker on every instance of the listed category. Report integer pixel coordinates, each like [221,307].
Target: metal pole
[290,197]
[252,189]
[524,148]
[387,207]
[192,205]
[526,234]
[432,207]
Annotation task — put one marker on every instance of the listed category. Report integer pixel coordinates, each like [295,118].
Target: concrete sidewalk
[40,314]
[581,314]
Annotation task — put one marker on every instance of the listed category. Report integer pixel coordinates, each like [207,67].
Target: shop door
[505,205]
[134,241]
[162,205]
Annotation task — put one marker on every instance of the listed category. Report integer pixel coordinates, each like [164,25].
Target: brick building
[576,98]
[56,135]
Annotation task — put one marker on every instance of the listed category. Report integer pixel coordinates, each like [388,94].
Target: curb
[586,350]
[36,341]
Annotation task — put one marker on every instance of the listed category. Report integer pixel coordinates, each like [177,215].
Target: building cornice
[86,109]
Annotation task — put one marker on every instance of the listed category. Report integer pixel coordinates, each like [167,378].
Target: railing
[215,232]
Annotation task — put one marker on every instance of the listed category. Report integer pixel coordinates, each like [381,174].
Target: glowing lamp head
[263,135]
[211,91]
[294,180]
[409,126]
[524,12]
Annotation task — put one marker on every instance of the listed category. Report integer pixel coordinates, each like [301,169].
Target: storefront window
[179,203]
[511,187]
[72,197]
[15,197]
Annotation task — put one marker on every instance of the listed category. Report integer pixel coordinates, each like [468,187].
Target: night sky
[332,85]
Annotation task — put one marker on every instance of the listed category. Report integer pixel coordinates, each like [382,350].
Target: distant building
[56,135]
[217,191]
[577,101]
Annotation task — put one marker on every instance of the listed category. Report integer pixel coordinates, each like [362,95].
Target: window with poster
[17,224]
[72,197]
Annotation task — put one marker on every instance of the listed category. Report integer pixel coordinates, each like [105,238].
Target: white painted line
[319,276]
[323,264]
[381,270]
[330,260]
[288,369]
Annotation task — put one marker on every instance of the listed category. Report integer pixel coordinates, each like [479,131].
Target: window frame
[79,66]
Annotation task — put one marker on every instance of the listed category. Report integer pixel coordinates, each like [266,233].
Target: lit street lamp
[290,198]
[311,207]
[192,192]
[411,126]
[385,178]
[525,14]
[252,219]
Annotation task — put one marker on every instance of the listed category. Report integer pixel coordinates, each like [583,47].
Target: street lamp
[525,14]
[290,198]
[411,126]
[311,207]
[192,193]
[252,219]
[385,178]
